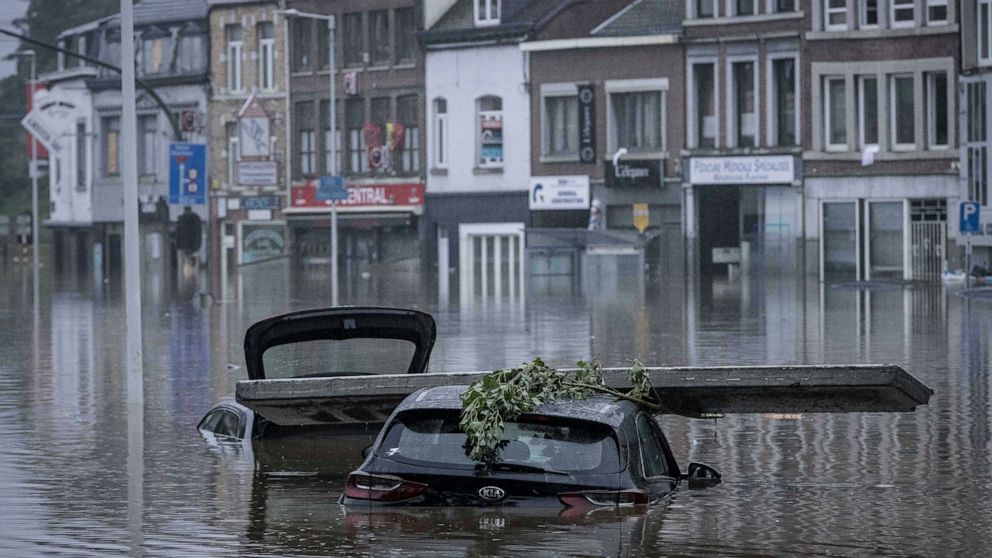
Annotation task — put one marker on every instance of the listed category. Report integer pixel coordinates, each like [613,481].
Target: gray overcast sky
[9,11]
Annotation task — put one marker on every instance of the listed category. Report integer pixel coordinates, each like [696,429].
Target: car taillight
[612,498]
[381,488]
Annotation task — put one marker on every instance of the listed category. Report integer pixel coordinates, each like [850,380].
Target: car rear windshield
[328,357]
[553,444]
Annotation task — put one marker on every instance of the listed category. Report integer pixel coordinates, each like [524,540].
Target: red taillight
[602,498]
[381,488]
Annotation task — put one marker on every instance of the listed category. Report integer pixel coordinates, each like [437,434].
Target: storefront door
[491,261]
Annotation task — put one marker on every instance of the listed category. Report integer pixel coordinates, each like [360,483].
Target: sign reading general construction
[559,192]
[764,169]
[187,173]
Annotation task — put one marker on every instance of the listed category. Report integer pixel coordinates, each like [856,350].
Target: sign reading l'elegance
[762,169]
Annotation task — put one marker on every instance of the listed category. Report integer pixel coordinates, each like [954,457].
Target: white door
[491,261]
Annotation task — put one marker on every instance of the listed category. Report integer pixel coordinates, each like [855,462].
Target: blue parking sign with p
[187,173]
[970,218]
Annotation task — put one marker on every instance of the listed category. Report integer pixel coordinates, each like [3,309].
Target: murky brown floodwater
[858,484]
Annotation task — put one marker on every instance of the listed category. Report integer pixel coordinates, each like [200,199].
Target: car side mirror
[701,476]
[366,452]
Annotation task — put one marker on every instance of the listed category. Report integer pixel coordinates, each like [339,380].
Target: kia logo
[492,493]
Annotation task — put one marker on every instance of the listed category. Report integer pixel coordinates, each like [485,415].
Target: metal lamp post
[34,175]
[332,148]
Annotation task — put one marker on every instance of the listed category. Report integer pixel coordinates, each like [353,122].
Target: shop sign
[260,202]
[51,119]
[262,241]
[362,196]
[634,173]
[253,130]
[559,192]
[587,124]
[765,169]
[258,173]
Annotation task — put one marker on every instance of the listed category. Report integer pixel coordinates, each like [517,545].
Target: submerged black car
[584,454]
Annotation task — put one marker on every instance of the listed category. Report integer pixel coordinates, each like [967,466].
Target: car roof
[601,409]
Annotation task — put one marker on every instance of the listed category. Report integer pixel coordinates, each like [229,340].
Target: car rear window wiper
[523,468]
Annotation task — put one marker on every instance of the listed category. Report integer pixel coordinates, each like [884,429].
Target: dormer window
[487,12]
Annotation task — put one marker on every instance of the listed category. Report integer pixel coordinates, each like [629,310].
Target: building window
[902,114]
[705,8]
[354,121]
[156,52]
[744,117]
[235,47]
[561,125]
[704,108]
[147,144]
[835,113]
[111,145]
[233,152]
[192,51]
[490,112]
[306,138]
[379,37]
[487,12]
[332,161]
[637,120]
[836,11]
[784,6]
[868,14]
[81,156]
[984,31]
[936,12]
[867,111]
[406,36]
[976,147]
[441,133]
[902,13]
[354,40]
[408,115]
[302,38]
[266,56]
[744,7]
[937,110]
[785,102]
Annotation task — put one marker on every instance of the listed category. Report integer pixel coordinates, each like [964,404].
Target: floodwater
[75,480]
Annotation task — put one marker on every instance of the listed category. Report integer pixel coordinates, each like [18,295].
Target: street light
[332,148]
[34,173]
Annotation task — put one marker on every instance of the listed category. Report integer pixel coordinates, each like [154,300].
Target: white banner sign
[257,173]
[765,169]
[559,192]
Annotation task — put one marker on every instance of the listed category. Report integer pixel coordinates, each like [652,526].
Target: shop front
[377,225]
[744,214]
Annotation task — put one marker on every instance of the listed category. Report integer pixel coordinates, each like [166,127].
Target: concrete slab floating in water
[689,391]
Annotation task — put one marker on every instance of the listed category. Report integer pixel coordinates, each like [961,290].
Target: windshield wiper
[522,468]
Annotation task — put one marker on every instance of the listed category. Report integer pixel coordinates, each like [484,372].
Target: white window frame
[693,9]
[552,91]
[935,3]
[771,7]
[860,96]
[693,110]
[266,64]
[479,113]
[490,13]
[731,98]
[863,14]
[930,108]
[636,86]
[734,4]
[893,123]
[828,11]
[441,133]
[984,58]
[235,73]
[772,105]
[827,117]
[899,5]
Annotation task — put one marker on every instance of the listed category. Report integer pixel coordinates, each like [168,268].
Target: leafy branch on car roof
[504,395]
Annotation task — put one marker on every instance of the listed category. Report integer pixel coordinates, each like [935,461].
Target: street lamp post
[333,140]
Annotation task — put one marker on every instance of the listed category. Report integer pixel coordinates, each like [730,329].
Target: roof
[517,20]
[644,17]
[162,11]
[604,410]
